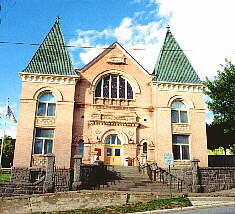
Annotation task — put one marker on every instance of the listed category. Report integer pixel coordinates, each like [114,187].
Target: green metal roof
[52,57]
[172,65]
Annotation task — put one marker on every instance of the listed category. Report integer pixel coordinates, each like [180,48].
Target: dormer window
[114,86]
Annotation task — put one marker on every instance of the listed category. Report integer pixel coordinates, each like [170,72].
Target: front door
[113,151]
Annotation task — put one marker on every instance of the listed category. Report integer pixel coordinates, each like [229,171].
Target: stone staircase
[130,179]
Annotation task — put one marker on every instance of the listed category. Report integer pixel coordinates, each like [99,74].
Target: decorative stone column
[48,185]
[195,175]
[77,172]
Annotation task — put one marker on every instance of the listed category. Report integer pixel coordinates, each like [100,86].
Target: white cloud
[124,32]
[205,28]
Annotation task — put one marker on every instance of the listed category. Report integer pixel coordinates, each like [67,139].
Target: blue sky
[202,28]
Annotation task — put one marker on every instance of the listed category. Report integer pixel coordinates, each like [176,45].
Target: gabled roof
[107,50]
[172,64]
[52,57]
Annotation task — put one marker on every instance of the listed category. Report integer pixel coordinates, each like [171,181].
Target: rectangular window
[43,142]
[175,116]
[117,152]
[180,147]
[109,152]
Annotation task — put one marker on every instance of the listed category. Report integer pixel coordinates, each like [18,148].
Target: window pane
[98,89]
[129,91]
[145,148]
[107,141]
[41,109]
[47,133]
[183,117]
[48,146]
[121,87]
[81,148]
[118,141]
[113,138]
[176,152]
[51,109]
[174,116]
[48,97]
[38,146]
[185,152]
[180,139]
[109,152]
[114,87]
[106,86]
[178,105]
[117,152]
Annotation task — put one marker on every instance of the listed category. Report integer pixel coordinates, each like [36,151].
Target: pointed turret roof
[172,64]
[52,57]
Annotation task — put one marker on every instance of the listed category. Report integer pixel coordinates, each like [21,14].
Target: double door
[113,155]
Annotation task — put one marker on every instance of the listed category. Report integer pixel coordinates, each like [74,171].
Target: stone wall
[70,200]
[213,179]
[208,179]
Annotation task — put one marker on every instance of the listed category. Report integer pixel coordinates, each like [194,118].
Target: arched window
[179,112]
[81,147]
[145,148]
[46,105]
[113,140]
[114,86]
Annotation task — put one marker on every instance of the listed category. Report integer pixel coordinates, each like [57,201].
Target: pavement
[203,201]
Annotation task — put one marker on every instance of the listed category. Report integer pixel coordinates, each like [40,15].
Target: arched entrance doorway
[113,150]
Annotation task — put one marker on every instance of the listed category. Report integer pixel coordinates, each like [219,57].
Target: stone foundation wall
[212,179]
[209,179]
[70,200]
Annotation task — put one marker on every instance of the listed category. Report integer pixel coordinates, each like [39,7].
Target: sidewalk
[200,203]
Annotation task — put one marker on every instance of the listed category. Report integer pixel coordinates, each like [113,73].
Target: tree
[8,151]
[222,93]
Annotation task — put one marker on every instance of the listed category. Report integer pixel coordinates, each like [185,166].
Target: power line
[67,46]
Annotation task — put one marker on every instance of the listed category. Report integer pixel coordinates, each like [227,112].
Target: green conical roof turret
[52,57]
[172,64]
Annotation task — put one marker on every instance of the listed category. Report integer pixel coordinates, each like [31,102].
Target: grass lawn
[138,207]
[5,177]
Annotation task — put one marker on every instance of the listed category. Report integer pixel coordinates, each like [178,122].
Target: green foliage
[8,151]
[138,207]
[218,151]
[222,93]
[232,149]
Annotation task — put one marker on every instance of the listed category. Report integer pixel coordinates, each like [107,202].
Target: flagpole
[4,132]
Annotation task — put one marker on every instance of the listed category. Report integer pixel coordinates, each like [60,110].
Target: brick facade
[142,120]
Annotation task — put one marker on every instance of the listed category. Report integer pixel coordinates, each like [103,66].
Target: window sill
[113,101]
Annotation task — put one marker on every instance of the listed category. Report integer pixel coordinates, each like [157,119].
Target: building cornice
[172,86]
[49,78]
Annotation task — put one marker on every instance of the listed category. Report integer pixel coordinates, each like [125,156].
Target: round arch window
[46,105]
[114,86]
[179,112]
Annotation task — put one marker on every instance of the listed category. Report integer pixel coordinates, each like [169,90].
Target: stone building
[112,109]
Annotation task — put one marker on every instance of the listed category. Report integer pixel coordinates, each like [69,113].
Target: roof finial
[58,20]
[168,28]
